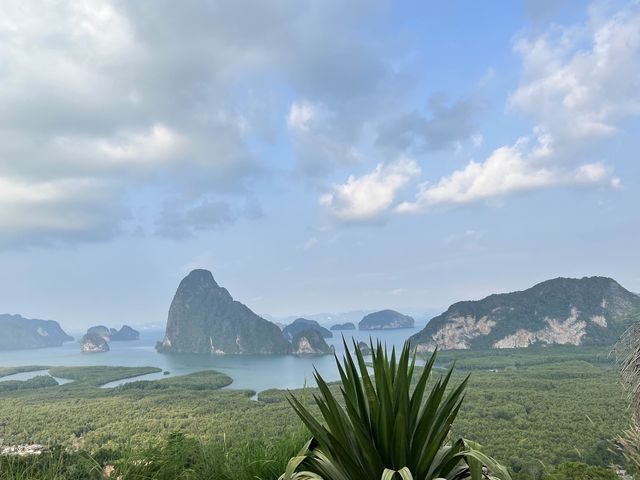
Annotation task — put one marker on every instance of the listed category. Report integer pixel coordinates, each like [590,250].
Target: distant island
[98,337]
[21,333]
[343,326]
[204,318]
[385,320]
[302,324]
[566,311]
[125,334]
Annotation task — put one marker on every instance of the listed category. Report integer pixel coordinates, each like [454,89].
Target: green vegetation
[542,408]
[99,375]
[580,471]
[40,381]
[518,357]
[182,457]
[383,428]
[207,380]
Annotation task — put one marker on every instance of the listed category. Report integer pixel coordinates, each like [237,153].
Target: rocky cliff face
[302,324]
[101,330]
[385,319]
[93,343]
[310,342]
[566,311]
[17,332]
[204,318]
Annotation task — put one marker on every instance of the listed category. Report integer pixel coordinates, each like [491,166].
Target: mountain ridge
[19,332]
[585,311]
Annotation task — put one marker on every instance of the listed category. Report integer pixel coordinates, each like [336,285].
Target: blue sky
[314,155]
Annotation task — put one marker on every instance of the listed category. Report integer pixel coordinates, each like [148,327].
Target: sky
[315,155]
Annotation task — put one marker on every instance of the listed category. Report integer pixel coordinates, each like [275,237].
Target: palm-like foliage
[384,429]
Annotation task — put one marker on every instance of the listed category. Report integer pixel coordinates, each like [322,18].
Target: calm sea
[248,371]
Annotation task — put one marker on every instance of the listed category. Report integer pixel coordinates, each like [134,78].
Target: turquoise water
[253,372]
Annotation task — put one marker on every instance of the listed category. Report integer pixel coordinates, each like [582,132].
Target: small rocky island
[385,320]
[90,341]
[204,318]
[93,342]
[343,326]
[126,333]
[310,342]
[302,324]
[17,332]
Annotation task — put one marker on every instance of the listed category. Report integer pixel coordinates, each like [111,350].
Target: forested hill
[585,311]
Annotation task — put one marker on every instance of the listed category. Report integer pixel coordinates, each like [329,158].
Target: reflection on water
[253,372]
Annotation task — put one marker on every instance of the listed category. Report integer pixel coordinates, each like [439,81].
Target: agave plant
[385,427]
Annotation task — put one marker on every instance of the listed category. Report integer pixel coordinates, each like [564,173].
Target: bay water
[252,372]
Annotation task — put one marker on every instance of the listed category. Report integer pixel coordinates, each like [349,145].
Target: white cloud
[300,115]
[580,82]
[50,210]
[508,170]
[169,98]
[369,197]
[150,147]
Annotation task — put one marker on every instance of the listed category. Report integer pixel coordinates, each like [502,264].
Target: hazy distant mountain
[421,315]
[17,332]
[343,326]
[204,318]
[302,324]
[150,326]
[322,318]
[126,333]
[385,320]
[586,311]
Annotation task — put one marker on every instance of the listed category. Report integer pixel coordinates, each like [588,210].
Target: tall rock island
[204,318]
